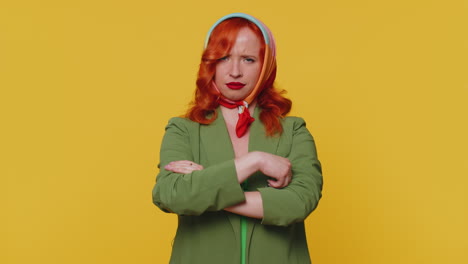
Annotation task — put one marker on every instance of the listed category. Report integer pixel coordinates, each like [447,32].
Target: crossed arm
[276,167]
[186,188]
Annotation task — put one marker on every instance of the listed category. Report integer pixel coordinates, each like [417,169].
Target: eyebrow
[249,56]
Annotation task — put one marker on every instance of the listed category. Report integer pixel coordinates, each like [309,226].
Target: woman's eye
[224,58]
[249,60]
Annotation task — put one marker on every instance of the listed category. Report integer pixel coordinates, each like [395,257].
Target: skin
[242,65]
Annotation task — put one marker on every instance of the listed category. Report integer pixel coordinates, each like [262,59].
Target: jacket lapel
[216,143]
[258,140]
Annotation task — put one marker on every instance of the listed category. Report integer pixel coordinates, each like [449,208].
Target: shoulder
[180,133]
[181,123]
[294,126]
[293,122]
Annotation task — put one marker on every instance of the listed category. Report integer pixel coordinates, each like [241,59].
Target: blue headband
[252,19]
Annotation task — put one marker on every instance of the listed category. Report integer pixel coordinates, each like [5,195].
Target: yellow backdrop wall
[88,86]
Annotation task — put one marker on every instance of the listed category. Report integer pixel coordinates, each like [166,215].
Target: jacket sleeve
[295,202]
[211,189]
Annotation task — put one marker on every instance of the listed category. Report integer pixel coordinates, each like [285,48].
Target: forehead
[247,40]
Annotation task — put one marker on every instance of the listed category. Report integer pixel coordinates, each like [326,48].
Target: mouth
[235,85]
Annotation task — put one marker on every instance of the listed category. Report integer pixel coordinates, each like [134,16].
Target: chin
[231,96]
[235,98]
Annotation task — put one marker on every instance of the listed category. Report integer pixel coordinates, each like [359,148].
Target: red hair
[202,110]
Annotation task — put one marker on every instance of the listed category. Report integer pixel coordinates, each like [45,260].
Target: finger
[287,182]
[288,179]
[280,183]
[182,170]
[271,183]
[191,163]
[182,163]
[192,166]
[186,163]
[198,167]
[274,184]
[283,182]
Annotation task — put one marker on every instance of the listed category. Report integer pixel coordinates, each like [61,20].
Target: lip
[235,85]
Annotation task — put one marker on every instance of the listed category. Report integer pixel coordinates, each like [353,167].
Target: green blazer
[206,234]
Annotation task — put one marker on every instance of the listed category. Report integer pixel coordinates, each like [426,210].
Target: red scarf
[244,115]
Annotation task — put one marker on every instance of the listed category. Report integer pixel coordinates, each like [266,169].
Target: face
[237,73]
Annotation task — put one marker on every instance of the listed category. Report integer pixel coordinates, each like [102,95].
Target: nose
[236,71]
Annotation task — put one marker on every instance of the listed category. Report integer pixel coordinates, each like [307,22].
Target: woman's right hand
[276,167]
[183,166]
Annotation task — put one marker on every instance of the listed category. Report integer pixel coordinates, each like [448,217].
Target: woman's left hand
[183,166]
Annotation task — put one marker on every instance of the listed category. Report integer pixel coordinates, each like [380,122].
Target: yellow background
[88,86]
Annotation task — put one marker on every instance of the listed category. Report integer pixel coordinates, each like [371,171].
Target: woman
[241,176]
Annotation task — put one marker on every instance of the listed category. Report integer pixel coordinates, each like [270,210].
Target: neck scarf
[269,64]
[244,115]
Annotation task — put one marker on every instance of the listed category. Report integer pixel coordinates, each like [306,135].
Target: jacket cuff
[230,191]
[280,208]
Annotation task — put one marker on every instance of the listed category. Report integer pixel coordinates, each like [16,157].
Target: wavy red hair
[202,110]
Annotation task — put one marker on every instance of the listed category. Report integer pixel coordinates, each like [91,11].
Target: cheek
[256,72]
[217,75]
[218,72]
